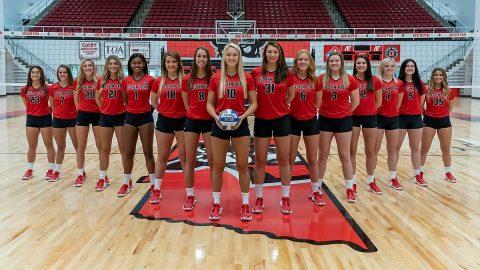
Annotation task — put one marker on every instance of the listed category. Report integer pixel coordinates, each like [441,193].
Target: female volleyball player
[136,90]
[194,94]
[88,114]
[437,120]
[275,92]
[364,118]
[335,117]
[39,120]
[64,115]
[228,89]
[166,98]
[112,107]
[411,115]
[387,117]
[303,118]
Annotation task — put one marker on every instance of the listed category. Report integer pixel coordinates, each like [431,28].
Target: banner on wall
[140,47]
[376,52]
[89,49]
[114,48]
[187,49]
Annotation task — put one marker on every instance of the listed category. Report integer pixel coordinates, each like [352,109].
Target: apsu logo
[391,52]
[317,225]
[248,50]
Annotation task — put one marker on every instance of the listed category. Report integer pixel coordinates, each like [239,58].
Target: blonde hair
[343,71]
[81,74]
[240,70]
[384,62]
[311,67]
[106,73]
[431,83]
[180,72]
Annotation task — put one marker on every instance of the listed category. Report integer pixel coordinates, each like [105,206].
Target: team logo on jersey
[329,224]
[391,52]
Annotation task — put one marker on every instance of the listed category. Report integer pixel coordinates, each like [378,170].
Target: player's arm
[400,98]
[355,98]
[154,100]
[98,97]
[378,98]
[76,98]
[450,102]
[318,99]
[52,103]
[252,99]
[186,101]
[290,94]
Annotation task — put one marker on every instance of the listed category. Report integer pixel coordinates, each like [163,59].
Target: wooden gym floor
[56,226]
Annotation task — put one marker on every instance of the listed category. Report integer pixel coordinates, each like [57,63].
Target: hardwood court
[57,226]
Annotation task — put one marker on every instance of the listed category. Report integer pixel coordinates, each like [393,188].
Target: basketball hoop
[236,41]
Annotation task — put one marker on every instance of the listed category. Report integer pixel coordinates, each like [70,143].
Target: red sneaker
[79,181]
[55,177]
[418,179]
[190,202]
[258,207]
[355,189]
[101,185]
[372,187]
[152,188]
[125,189]
[155,198]
[449,177]
[85,175]
[107,182]
[285,205]
[245,214]
[216,212]
[316,198]
[49,174]
[395,184]
[28,174]
[351,196]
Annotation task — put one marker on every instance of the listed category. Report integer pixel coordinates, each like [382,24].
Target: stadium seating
[288,14]
[407,14]
[172,14]
[90,13]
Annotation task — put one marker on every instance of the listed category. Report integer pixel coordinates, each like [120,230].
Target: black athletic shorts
[170,125]
[138,119]
[241,131]
[39,121]
[108,120]
[198,126]
[308,127]
[278,127]
[364,121]
[87,118]
[388,123]
[335,125]
[410,121]
[437,123]
[64,123]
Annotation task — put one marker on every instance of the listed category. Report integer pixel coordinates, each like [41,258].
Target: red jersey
[112,99]
[233,97]
[390,91]
[411,99]
[303,104]
[197,98]
[86,96]
[335,98]
[64,104]
[37,100]
[271,96]
[170,103]
[138,93]
[437,104]
[367,96]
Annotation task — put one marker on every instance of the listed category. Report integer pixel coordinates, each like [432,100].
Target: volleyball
[228,119]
